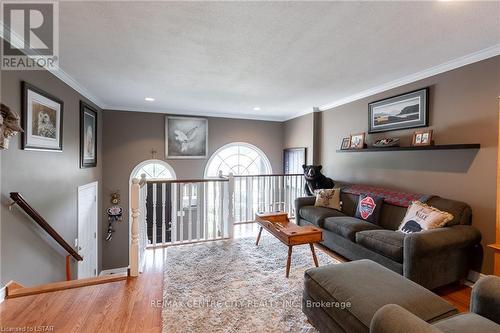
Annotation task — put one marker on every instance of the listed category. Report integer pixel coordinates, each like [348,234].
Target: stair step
[18,291]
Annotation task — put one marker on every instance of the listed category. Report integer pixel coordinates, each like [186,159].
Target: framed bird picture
[186,137]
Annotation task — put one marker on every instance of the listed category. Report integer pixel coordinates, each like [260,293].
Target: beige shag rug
[235,286]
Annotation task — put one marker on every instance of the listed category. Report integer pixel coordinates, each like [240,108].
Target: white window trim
[261,153]
[146,162]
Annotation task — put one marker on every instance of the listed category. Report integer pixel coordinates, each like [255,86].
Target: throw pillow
[369,208]
[420,216]
[329,198]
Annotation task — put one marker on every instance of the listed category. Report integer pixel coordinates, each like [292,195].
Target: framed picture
[422,138]
[408,110]
[346,144]
[88,136]
[357,141]
[293,159]
[186,137]
[42,120]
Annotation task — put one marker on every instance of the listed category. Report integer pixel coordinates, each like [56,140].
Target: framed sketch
[42,116]
[346,144]
[422,138]
[357,141]
[293,159]
[186,137]
[408,110]
[88,136]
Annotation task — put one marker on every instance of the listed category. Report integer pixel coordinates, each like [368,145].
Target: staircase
[14,289]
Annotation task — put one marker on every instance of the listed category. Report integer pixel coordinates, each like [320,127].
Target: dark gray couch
[431,258]
[484,316]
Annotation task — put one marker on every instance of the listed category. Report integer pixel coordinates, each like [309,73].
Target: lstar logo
[30,35]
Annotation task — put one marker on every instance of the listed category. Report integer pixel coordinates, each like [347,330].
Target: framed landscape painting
[42,119]
[88,136]
[186,137]
[404,111]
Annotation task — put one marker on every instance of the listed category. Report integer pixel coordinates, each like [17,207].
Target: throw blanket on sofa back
[396,198]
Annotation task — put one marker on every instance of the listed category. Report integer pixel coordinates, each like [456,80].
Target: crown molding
[167,111]
[70,81]
[435,70]
[59,72]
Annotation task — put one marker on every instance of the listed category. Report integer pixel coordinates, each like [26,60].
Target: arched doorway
[159,170]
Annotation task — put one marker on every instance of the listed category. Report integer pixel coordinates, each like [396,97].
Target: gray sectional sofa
[431,258]
[484,315]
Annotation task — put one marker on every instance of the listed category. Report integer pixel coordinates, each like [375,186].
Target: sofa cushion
[369,208]
[328,198]
[467,322]
[368,286]
[317,215]
[347,226]
[385,242]
[420,217]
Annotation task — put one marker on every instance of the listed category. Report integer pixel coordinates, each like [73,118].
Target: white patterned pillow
[329,198]
[420,216]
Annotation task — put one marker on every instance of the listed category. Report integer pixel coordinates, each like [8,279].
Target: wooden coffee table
[290,234]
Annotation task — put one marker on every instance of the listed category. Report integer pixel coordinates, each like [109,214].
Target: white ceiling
[225,58]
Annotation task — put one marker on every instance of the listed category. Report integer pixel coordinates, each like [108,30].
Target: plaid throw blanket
[396,198]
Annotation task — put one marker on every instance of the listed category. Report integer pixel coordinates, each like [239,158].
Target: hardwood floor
[123,306]
[126,306]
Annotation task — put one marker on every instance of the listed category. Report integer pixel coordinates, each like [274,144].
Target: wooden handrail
[21,202]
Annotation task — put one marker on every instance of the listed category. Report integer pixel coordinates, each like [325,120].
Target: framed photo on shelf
[346,144]
[88,136]
[42,116]
[409,110]
[357,141]
[187,137]
[422,138]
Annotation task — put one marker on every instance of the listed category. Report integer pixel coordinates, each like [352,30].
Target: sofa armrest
[485,298]
[301,202]
[392,318]
[440,239]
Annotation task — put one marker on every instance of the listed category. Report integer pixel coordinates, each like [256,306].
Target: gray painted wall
[129,138]
[463,109]
[298,132]
[49,182]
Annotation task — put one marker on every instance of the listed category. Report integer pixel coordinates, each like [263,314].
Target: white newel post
[230,190]
[134,229]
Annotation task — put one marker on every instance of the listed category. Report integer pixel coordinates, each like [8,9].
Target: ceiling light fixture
[257,108]
[149,99]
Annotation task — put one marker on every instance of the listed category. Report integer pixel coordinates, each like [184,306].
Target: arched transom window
[154,169]
[238,158]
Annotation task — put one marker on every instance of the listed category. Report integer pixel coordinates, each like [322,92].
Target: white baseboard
[113,271]
[3,293]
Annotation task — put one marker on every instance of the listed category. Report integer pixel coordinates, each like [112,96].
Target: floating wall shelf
[414,148]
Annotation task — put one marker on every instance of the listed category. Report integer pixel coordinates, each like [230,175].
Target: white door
[87,230]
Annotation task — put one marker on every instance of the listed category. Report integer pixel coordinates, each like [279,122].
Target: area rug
[236,286]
